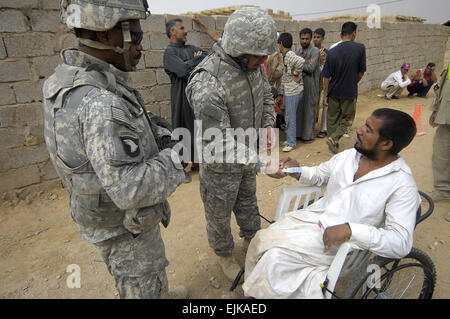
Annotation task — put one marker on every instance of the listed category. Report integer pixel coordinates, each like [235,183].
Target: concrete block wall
[31,38]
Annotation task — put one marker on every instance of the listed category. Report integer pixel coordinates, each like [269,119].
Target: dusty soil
[38,239]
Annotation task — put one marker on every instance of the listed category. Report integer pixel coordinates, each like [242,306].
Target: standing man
[440,118]
[344,68]
[422,81]
[396,82]
[291,88]
[307,111]
[229,89]
[318,37]
[179,61]
[111,155]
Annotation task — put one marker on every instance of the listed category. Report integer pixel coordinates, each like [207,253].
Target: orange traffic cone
[416,117]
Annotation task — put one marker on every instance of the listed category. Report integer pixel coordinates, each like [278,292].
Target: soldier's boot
[178,292]
[230,267]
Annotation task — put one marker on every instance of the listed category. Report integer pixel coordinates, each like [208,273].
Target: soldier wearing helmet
[229,89]
[114,158]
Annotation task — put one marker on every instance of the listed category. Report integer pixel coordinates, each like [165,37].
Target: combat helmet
[249,30]
[103,15]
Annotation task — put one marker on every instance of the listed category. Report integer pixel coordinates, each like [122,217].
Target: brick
[28,91]
[145,78]
[15,137]
[158,41]
[13,21]
[19,4]
[44,21]
[30,45]
[6,95]
[154,23]
[22,157]
[18,178]
[45,66]
[153,59]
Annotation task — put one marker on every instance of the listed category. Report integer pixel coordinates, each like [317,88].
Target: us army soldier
[229,89]
[109,152]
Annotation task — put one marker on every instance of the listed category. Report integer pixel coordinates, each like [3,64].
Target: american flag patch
[119,115]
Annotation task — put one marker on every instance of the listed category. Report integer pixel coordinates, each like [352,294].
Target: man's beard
[370,154]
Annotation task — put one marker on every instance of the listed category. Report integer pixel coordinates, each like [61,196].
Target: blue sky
[435,11]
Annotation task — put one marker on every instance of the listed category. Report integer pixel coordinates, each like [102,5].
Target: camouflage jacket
[104,149]
[223,96]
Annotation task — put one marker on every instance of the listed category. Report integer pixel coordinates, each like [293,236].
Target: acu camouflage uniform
[106,153]
[225,95]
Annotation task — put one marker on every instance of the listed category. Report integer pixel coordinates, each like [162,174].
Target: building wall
[31,38]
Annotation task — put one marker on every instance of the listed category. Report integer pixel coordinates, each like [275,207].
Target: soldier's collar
[78,58]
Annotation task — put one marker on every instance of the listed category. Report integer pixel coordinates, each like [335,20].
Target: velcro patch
[130,145]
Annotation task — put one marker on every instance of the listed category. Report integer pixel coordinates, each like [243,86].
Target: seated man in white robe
[371,202]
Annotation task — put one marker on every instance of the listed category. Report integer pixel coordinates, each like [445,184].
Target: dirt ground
[38,239]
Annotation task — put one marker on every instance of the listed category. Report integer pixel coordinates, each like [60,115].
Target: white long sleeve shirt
[396,78]
[380,207]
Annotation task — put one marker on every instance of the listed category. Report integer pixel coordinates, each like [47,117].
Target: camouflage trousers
[137,264]
[223,193]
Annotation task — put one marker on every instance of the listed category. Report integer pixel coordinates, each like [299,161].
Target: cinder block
[166,111]
[18,178]
[158,41]
[154,59]
[45,21]
[14,71]
[220,22]
[208,20]
[20,115]
[27,92]
[45,66]
[22,157]
[2,50]
[30,45]
[13,21]
[49,4]
[154,23]
[162,77]
[10,138]
[47,171]
[160,93]
[6,95]
[145,78]
[193,38]
[19,4]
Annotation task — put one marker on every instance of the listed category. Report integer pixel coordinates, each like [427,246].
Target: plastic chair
[345,262]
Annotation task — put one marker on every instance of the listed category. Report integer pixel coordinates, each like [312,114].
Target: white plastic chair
[342,264]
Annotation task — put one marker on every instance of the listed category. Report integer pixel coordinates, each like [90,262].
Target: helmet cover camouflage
[250,30]
[101,15]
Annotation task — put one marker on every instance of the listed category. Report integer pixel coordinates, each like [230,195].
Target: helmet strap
[124,51]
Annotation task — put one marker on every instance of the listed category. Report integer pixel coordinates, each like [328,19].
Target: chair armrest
[336,267]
